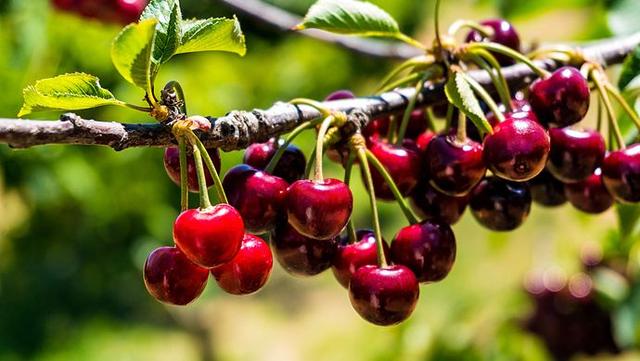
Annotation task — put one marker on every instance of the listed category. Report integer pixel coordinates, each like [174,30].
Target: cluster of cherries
[109,11]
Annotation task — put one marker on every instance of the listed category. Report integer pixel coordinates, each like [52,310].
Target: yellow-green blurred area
[77,222]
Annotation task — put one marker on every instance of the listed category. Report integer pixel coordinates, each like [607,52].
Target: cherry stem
[400,82]
[273,163]
[393,128]
[324,127]
[431,125]
[222,196]
[351,230]
[312,103]
[413,62]
[407,112]
[409,40]
[623,103]
[613,123]
[499,48]
[184,177]
[362,156]
[490,64]
[461,134]
[458,25]
[437,26]
[202,180]
[599,123]
[408,213]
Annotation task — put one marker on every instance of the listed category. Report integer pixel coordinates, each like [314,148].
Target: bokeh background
[76,223]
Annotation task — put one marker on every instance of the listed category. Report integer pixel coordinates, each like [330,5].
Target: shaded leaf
[169,18]
[214,34]
[630,69]
[131,52]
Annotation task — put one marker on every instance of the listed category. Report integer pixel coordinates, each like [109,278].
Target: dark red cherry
[434,205]
[384,296]
[402,163]
[517,150]
[423,140]
[417,123]
[427,248]
[129,10]
[561,99]
[172,166]
[340,95]
[258,196]
[209,237]
[454,167]
[351,256]
[589,195]
[503,33]
[547,190]
[319,209]
[574,154]
[621,174]
[290,166]
[377,128]
[500,205]
[171,278]
[249,270]
[65,4]
[301,255]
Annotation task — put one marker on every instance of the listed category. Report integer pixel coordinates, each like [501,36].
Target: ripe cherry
[171,278]
[423,140]
[547,190]
[500,205]
[319,209]
[454,167]
[129,10]
[621,174]
[351,256]
[437,206]
[503,33]
[417,123]
[290,167]
[384,296]
[209,237]
[517,150]
[427,248]
[402,163]
[340,95]
[575,154]
[249,270]
[562,98]
[301,255]
[172,166]
[589,195]
[258,196]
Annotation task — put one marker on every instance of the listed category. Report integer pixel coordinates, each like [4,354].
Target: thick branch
[238,129]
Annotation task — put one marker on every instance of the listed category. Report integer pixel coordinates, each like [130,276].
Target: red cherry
[575,154]
[500,205]
[454,167]
[172,166]
[402,163]
[171,278]
[384,296]
[589,195]
[547,190]
[434,205]
[562,98]
[209,237]
[423,140]
[351,256]
[129,10]
[621,174]
[503,33]
[301,255]
[340,95]
[249,270]
[290,167]
[319,209]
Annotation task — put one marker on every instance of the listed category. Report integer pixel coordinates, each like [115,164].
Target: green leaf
[214,34]
[131,52]
[169,17]
[66,92]
[461,95]
[630,69]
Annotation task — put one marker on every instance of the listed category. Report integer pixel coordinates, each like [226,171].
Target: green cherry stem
[324,127]
[461,133]
[599,123]
[312,103]
[459,25]
[400,82]
[351,230]
[611,114]
[498,48]
[623,103]
[409,40]
[222,196]
[202,180]
[271,166]
[393,128]
[184,178]
[411,63]
[407,112]
[500,81]
[431,124]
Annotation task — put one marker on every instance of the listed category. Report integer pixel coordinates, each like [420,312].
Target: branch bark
[238,129]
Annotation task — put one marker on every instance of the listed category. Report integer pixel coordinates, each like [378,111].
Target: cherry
[129,10]
[258,196]
[454,167]
[340,95]
[319,209]
[434,205]
[417,123]
[301,255]
[547,190]
[575,154]
[249,270]
[384,296]
[427,248]
[500,205]
[503,33]
[402,163]
[290,166]
[209,237]
[518,149]
[589,195]
[562,98]
[351,256]
[379,127]
[172,166]
[171,278]
[621,174]
[423,140]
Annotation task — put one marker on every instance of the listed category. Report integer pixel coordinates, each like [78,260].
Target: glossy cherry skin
[290,166]
[454,167]
[417,123]
[300,255]
[209,237]
[575,154]
[172,166]
[257,195]
[351,256]
[423,140]
[434,205]
[340,95]
[384,296]
[428,248]
[171,278]
[249,270]
[547,190]
[500,205]
[503,33]
[402,163]
[561,99]
[621,174]
[517,150]
[379,127]
[589,195]
[129,10]
[319,209]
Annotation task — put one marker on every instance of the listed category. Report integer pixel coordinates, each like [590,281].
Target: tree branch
[238,129]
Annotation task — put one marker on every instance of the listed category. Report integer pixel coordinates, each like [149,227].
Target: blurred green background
[76,223]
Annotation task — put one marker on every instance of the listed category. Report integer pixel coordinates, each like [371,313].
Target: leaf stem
[362,156]
[411,41]
[138,108]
